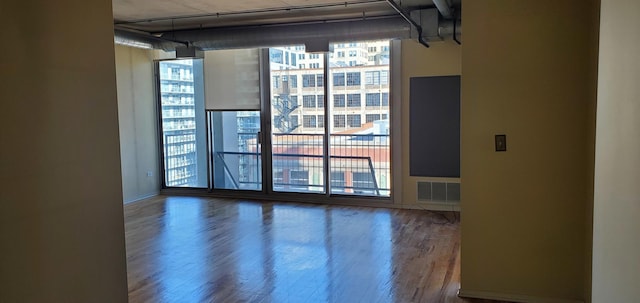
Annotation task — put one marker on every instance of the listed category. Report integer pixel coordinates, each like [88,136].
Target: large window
[372,117]
[353,100]
[183,123]
[309,121]
[372,99]
[309,101]
[354,120]
[235,146]
[372,78]
[297,134]
[308,81]
[384,77]
[335,143]
[320,101]
[339,101]
[359,135]
[353,79]
[353,113]
[338,79]
[339,121]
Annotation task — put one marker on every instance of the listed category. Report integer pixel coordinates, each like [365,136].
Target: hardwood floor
[191,249]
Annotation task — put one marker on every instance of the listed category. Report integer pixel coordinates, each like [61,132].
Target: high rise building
[178,122]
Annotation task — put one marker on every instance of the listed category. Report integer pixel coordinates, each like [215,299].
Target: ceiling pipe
[144,40]
[444,8]
[363,4]
[392,27]
[291,34]
[407,17]
[449,29]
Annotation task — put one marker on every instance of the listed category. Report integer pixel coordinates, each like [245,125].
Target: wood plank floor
[191,249]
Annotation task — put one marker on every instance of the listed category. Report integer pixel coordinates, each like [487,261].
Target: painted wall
[616,243]
[441,59]
[61,213]
[529,71]
[138,123]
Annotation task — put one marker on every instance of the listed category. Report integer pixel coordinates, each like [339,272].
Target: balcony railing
[359,164]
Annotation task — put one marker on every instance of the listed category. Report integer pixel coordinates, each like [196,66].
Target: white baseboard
[511,297]
[438,206]
[142,198]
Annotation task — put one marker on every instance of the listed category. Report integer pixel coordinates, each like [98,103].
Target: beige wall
[616,247]
[61,220]
[528,72]
[441,59]
[138,124]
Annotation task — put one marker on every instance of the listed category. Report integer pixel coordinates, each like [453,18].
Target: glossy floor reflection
[186,249]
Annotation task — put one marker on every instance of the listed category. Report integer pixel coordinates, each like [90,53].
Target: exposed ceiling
[157,16]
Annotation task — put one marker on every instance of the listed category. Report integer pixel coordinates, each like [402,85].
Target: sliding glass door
[359,118]
[297,119]
[235,146]
[324,120]
[355,81]
[232,80]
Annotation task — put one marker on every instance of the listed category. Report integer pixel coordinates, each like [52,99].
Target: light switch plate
[501,143]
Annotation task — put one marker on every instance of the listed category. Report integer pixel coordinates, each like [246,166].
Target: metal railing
[359,164]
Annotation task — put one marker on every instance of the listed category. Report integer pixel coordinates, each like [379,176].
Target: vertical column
[61,215]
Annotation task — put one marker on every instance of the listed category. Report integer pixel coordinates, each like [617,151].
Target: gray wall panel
[434,147]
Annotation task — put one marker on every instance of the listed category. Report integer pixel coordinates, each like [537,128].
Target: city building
[358,107]
[177,98]
[358,85]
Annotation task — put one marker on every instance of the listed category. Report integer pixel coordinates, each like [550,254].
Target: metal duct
[444,8]
[289,34]
[435,28]
[445,29]
[406,16]
[142,40]
[278,35]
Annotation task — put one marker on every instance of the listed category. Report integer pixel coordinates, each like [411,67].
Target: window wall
[237,160]
[359,132]
[297,132]
[358,112]
[183,124]
[327,127]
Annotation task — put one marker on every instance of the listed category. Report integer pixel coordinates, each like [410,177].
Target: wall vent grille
[438,191]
